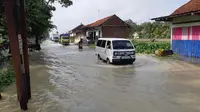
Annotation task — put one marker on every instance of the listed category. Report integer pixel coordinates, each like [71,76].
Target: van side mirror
[108,47]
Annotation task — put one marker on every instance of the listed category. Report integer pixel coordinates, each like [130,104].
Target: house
[185,36]
[77,33]
[111,26]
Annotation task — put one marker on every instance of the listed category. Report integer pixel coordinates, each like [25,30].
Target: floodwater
[64,79]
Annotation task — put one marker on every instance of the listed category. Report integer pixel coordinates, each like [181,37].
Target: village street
[65,79]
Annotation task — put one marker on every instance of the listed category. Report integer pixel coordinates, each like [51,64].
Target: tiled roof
[99,22]
[191,6]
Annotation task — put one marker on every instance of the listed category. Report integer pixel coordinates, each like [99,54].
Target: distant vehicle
[64,39]
[115,50]
[55,39]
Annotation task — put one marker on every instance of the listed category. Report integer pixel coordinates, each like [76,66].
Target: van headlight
[132,53]
[115,53]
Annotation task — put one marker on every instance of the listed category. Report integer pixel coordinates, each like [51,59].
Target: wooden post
[25,47]
[0,96]
[15,51]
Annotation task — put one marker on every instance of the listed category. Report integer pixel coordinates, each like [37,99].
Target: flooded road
[65,79]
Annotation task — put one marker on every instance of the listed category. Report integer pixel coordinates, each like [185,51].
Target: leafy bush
[6,77]
[1,57]
[3,50]
[150,47]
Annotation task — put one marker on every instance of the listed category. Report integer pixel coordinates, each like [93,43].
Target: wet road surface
[65,79]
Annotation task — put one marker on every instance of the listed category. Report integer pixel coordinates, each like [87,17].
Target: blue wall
[189,48]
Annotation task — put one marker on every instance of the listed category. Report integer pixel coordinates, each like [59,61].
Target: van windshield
[65,37]
[55,37]
[122,44]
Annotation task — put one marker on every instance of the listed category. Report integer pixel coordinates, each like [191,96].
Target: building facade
[111,26]
[185,29]
[77,33]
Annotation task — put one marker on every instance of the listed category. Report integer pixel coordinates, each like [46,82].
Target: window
[65,37]
[56,38]
[122,44]
[99,43]
[108,45]
[103,44]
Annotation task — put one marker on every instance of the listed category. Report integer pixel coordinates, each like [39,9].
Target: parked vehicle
[115,50]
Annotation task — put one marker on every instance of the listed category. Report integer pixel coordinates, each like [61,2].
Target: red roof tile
[99,22]
[191,6]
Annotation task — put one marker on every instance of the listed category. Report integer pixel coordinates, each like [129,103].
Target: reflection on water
[65,79]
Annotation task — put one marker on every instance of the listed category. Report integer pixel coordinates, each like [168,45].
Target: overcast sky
[86,11]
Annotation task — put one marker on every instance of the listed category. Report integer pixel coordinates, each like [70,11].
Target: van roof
[111,39]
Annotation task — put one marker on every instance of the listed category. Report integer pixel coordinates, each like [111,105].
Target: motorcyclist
[80,44]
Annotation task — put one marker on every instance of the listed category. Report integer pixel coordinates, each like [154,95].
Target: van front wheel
[134,60]
[108,61]
[99,57]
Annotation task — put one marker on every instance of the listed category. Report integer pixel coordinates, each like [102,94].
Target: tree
[133,26]
[3,32]
[39,14]
[38,17]
[149,29]
[64,3]
[152,30]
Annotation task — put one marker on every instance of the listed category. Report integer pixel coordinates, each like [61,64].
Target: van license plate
[126,57]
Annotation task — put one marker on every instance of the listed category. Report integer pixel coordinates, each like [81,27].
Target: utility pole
[15,51]
[16,25]
[25,48]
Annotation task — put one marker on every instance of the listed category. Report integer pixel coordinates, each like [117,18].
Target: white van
[114,50]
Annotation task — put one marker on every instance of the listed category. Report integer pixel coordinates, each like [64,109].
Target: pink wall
[186,33]
[189,32]
[177,33]
[196,33]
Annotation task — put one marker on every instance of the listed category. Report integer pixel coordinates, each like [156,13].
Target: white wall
[95,30]
[72,34]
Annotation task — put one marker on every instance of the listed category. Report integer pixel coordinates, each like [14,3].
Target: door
[98,47]
[103,50]
[108,50]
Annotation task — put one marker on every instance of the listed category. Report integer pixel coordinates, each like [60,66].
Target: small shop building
[185,29]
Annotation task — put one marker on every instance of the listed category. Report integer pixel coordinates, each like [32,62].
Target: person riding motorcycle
[80,44]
